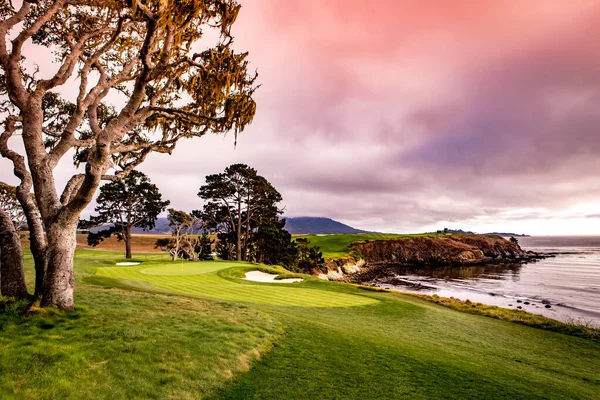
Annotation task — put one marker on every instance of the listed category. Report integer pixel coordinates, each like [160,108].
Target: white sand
[128,263]
[259,276]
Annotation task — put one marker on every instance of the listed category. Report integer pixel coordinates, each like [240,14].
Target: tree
[225,247]
[183,240]
[12,274]
[310,256]
[274,245]
[140,55]
[180,223]
[10,205]
[204,249]
[239,201]
[130,202]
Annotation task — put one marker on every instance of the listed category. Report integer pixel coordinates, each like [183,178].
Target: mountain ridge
[294,225]
[317,225]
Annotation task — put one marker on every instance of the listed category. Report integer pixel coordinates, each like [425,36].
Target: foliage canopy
[238,203]
[146,74]
[131,202]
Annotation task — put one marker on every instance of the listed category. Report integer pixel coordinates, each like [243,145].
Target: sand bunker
[259,276]
[128,263]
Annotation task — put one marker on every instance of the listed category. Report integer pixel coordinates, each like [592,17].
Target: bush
[311,257]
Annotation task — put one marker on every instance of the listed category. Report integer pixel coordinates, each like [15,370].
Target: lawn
[338,246]
[195,330]
[218,280]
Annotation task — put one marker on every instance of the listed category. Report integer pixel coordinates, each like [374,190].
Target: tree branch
[68,65]
[74,184]
[29,32]
[10,127]
[23,190]
[84,101]
[16,90]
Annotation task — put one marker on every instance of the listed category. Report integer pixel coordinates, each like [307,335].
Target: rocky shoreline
[453,250]
[442,250]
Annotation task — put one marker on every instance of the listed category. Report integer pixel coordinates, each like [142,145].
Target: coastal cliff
[429,250]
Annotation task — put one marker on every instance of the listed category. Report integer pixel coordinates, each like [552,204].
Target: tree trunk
[261,257]
[37,238]
[58,284]
[238,249]
[37,245]
[176,251]
[247,233]
[41,265]
[128,241]
[12,275]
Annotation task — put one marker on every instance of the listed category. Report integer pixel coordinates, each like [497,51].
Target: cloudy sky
[408,116]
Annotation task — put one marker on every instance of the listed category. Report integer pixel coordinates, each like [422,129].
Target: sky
[412,116]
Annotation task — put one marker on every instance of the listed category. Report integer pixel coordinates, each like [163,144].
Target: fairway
[183,268]
[299,200]
[338,246]
[220,280]
[190,330]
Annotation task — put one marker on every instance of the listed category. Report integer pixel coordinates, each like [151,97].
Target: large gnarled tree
[146,76]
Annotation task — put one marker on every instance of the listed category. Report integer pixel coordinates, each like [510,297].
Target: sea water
[565,287]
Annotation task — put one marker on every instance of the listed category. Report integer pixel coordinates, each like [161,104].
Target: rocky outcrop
[429,250]
[338,268]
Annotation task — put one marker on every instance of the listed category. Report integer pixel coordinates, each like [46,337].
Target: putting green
[186,268]
[201,279]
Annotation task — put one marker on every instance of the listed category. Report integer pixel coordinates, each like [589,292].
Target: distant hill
[505,234]
[294,225]
[297,225]
[307,226]
[317,225]
[161,227]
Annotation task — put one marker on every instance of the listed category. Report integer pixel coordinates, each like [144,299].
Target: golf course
[182,330]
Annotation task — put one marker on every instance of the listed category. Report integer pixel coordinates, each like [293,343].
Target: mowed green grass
[338,246]
[123,344]
[144,343]
[203,279]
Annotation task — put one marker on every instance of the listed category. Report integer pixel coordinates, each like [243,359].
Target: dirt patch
[140,243]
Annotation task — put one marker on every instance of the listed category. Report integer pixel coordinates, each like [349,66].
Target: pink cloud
[397,115]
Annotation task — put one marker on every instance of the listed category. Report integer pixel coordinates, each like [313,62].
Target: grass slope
[338,246]
[234,339]
[204,280]
[406,351]
[125,344]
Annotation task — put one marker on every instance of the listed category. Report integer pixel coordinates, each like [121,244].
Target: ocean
[565,287]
